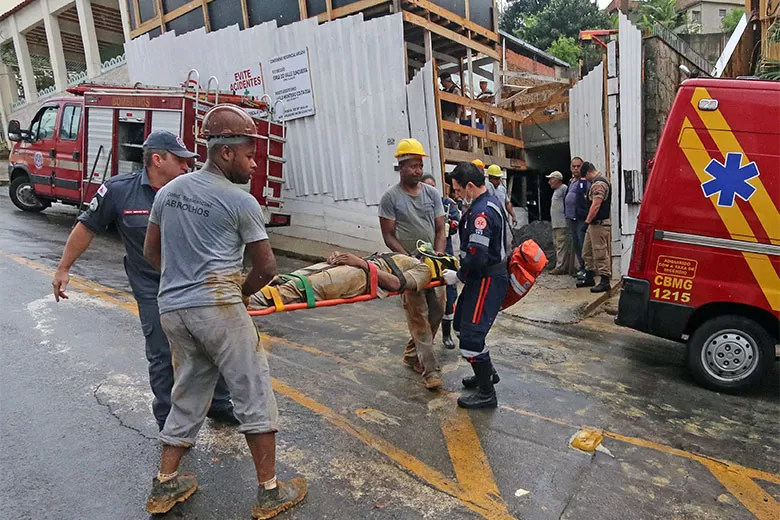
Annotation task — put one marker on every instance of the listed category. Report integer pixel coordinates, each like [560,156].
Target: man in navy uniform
[126,200]
[483,270]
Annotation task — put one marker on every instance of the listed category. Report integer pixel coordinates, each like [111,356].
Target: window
[71,117]
[696,16]
[44,123]
[722,13]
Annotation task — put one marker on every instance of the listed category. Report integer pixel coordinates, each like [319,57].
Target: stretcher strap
[373,279]
[304,285]
[388,258]
[271,292]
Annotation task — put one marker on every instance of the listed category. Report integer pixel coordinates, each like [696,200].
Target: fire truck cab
[75,143]
[705,266]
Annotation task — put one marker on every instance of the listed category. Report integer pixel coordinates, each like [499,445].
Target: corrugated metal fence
[586,120]
[346,149]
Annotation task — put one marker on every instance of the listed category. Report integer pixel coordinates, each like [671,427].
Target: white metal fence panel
[422,118]
[631,139]
[346,149]
[167,120]
[586,119]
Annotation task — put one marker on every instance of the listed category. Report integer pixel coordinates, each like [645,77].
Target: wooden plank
[136,14]
[484,107]
[341,12]
[468,11]
[476,132]
[245,14]
[301,8]
[158,4]
[460,156]
[454,18]
[155,22]
[555,99]
[452,35]
[329,9]
[206,20]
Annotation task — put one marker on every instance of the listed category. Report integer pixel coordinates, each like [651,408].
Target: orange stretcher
[373,286]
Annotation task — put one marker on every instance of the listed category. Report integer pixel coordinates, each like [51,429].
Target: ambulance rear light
[643,238]
[279,219]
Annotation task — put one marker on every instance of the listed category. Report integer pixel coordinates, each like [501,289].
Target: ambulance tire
[724,341]
[23,196]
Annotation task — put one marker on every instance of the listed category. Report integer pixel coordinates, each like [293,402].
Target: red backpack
[525,265]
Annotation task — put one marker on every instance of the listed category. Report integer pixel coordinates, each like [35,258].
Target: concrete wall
[708,46]
[662,79]
[117,76]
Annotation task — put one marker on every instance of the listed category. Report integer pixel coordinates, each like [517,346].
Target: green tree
[730,21]
[562,18]
[566,49]
[662,12]
[512,17]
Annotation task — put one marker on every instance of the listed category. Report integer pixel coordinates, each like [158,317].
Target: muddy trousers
[424,311]
[158,354]
[207,342]
[477,308]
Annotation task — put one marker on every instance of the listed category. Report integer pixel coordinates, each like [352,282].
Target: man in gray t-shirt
[199,226]
[411,211]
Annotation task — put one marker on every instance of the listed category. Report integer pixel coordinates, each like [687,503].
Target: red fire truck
[75,143]
[705,267]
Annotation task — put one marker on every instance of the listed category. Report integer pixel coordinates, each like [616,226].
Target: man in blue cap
[126,200]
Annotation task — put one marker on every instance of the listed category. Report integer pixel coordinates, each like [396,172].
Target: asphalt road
[78,438]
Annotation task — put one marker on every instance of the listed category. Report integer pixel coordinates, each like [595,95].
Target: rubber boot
[471,381]
[603,286]
[446,333]
[485,396]
[167,494]
[588,281]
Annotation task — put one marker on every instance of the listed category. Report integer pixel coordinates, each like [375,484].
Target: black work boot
[271,502]
[485,396]
[167,494]
[588,281]
[603,286]
[446,333]
[471,381]
[223,415]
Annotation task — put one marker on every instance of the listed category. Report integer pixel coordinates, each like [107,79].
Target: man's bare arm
[263,267]
[78,242]
[440,241]
[153,245]
[594,209]
[388,234]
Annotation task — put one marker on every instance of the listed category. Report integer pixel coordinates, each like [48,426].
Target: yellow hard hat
[478,164]
[494,170]
[409,147]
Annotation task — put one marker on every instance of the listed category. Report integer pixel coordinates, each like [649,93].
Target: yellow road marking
[737,479]
[736,224]
[472,468]
[724,138]
[475,492]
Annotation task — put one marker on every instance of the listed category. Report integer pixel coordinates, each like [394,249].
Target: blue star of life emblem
[730,179]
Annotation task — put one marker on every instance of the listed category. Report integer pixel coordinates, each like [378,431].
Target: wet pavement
[78,438]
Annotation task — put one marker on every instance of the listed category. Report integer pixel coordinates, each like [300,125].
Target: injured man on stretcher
[345,275]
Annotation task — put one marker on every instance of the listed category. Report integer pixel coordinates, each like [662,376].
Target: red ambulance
[706,254]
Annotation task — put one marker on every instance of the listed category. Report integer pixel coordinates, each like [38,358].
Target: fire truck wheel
[23,195]
[730,353]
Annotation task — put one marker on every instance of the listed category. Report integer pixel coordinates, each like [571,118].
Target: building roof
[13,6]
[526,49]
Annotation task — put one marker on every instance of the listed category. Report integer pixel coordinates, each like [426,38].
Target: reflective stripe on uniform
[500,212]
[519,289]
[479,239]
[471,354]
[448,317]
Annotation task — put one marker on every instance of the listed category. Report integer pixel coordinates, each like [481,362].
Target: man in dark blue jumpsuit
[483,271]
[125,200]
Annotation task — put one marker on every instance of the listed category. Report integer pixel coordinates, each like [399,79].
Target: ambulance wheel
[730,353]
[23,195]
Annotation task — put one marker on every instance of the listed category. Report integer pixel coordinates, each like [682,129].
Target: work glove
[449,276]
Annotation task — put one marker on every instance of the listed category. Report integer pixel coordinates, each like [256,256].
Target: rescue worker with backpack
[483,271]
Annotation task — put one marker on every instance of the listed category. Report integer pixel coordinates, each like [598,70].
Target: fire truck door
[68,164]
[41,151]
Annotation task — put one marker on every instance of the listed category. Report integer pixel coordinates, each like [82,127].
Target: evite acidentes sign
[290,82]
